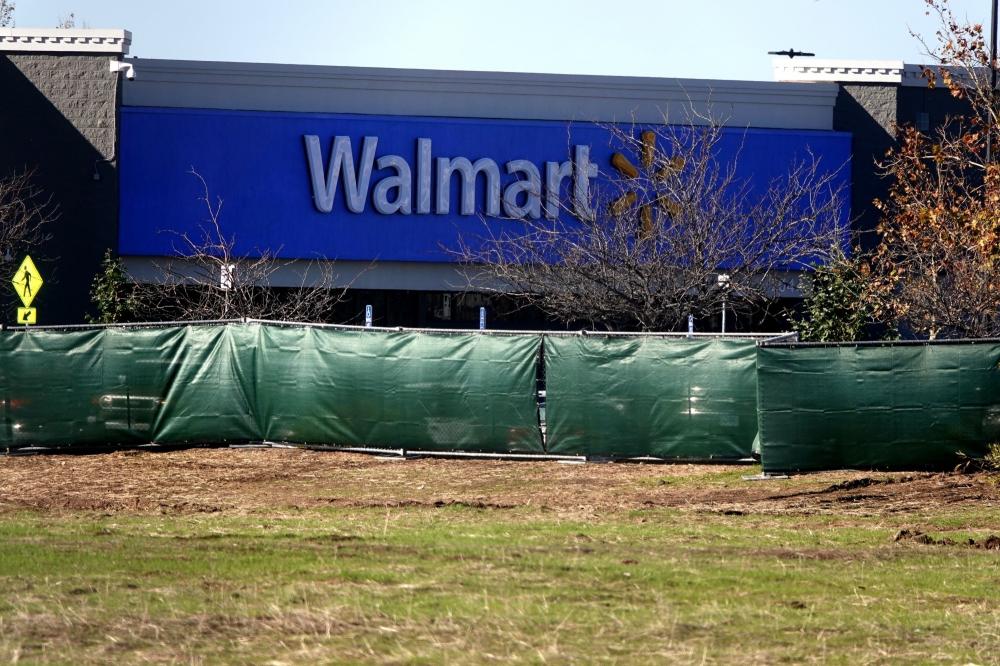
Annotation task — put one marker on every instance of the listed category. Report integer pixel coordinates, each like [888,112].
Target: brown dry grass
[251,480]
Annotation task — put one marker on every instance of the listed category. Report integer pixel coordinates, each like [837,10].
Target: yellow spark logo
[628,171]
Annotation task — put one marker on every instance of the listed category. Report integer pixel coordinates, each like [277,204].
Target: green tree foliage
[112,293]
[837,304]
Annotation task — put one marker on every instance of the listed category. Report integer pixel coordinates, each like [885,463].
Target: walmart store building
[365,166]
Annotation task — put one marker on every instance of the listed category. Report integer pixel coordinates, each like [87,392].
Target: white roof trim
[812,70]
[64,40]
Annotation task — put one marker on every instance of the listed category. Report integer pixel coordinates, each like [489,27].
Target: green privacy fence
[114,386]
[49,385]
[893,406]
[232,383]
[614,395]
[430,391]
[650,396]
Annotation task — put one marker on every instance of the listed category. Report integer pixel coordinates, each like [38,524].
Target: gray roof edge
[339,89]
[224,68]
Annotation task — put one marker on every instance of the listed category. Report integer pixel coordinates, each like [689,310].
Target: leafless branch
[25,214]
[207,279]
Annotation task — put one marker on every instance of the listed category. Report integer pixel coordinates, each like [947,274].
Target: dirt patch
[208,480]
[160,640]
[991,542]
[851,484]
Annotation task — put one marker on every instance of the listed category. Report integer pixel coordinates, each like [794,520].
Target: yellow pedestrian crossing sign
[27,316]
[27,282]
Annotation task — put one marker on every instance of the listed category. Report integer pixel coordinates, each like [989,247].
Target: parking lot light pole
[723,282]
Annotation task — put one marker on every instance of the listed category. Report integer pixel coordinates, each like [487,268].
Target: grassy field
[789,571]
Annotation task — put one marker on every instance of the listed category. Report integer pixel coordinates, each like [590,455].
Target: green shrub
[112,294]
[837,305]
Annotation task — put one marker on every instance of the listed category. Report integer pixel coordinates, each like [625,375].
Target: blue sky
[723,39]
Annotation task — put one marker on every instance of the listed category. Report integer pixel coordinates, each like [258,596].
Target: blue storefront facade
[365,188]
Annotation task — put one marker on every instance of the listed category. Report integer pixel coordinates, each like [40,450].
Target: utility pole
[993,80]
[993,47]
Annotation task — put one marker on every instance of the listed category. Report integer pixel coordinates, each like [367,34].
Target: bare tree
[675,231]
[208,279]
